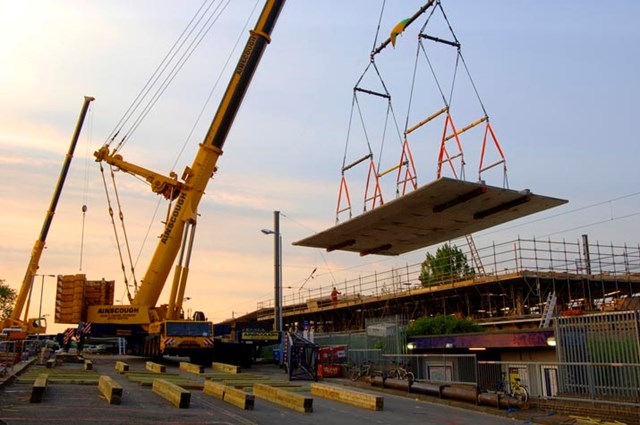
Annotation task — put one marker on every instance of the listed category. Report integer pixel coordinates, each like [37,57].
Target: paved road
[74,404]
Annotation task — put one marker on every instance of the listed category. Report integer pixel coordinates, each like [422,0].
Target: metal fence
[12,352]
[609,337]
[439,368]
[615,383]
[604,382]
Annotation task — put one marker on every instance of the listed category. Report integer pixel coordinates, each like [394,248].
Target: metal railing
[12,352]
[605,382]
[517,256]
[612,383]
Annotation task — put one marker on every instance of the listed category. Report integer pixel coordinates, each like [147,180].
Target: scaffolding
[515,285]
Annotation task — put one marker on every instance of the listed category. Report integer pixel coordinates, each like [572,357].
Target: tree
[449,264]
[442,325]
[7,298]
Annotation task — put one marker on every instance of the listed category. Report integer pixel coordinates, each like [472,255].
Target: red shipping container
[330,370]
[339,353]
[324,355]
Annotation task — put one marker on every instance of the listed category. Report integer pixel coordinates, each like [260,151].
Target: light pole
[40,306]
[277,254]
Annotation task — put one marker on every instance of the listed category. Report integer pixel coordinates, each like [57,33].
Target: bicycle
[399,372]
[361,370]
[518,391]
[513,388]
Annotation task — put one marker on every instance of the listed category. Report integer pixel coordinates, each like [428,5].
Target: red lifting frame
[343,190]
[445,153]
[377,192]
[488,130]
[406,159]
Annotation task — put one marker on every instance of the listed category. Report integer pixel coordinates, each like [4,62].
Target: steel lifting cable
[177,68]
[239,38]
[124,230]
[461,58]
[204,108]
[178,45]
[390,111]
[215,85]
[424,51]
[355,103]
[375,39]
[115,231]
[85,189]
[162,69]
[145,90]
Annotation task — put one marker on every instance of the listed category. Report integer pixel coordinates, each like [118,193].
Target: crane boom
[36,253]
[154,330]
[187,195]
[197,176]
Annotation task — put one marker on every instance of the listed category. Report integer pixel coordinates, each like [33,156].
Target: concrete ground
[82,404]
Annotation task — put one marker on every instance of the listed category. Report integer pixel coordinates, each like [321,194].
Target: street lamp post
[277,254]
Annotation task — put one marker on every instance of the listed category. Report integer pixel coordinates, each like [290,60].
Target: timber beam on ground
[173,393]
[347,396]
[155,367]
[190,367]
[218,376]
[298,402]
[184,382]
[249,384]
[122,367]
[229,395]
[110,389]
[224,367]
[39,388]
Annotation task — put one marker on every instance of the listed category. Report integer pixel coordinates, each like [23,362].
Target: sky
[559,81]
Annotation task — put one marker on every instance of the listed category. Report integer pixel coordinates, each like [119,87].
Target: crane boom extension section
[188,193]
[38,325]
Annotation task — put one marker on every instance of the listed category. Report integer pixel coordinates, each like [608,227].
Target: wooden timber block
[294,401]
[343,395]
[190,367]
[219,376]
[184,383]
[228,368]
[243,384]
[88,365]
[110,389]
[50,363]
[230,395]
[178,396]
[39,387]
[122,367]
[156,367]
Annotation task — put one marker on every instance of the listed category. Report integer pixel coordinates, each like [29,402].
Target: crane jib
[247,64]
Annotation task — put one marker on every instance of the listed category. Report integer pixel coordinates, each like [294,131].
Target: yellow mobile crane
[154,330]
[39,325]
